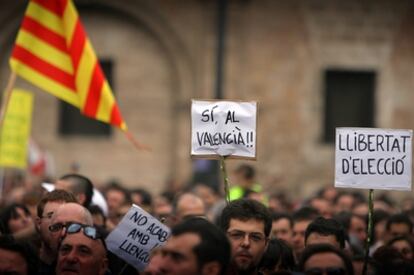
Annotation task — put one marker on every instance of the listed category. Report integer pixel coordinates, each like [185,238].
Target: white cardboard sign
[223,128]
[136,236]
[373,158]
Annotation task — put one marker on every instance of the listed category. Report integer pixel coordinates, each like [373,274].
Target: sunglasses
[327,271]
[88,231]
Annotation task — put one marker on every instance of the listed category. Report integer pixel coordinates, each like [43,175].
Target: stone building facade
[276,52]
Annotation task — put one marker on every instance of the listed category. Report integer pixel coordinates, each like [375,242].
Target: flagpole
[135,142]
[6,96]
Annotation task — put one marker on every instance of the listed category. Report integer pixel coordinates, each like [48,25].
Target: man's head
[188,205]
[46,208]
[405,245]
[344,202]
[282,227]
[207,193]
[398,225]
[82,252]
[302,218]
[323,206]
[358,229]
[278,257]
[79,185]
[323,259]
[195,246]
[245,175]
[16,258]
[116,196]
[66,214]
[142,198]
[323,230]
[247,224]
[98,216]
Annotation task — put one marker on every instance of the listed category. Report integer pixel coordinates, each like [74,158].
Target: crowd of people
[62,230]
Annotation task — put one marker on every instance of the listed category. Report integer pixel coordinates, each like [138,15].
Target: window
[73,123]
[349,100]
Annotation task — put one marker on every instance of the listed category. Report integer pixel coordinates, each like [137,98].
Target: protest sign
[372,158]
[14,138]
[223,128]
[136,236]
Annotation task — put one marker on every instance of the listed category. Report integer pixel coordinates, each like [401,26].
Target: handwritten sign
[223,128]
[373,158]
[15,132]
[136,236]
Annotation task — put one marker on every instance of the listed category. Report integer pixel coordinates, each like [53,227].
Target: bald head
[79,254]
[65,214]
[72,212]
[189,204]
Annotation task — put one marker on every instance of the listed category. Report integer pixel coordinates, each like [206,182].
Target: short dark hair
[246,209]
[278,252]
[325,248]
[399,218]
[305,213]
[280,216]
[96,210]
[390,261]
[406,238]
[54,196]
[24,249]
[247,171]
[214,245]
[116,186]
[80,185]
[344,218]
[145,195]
[326,227]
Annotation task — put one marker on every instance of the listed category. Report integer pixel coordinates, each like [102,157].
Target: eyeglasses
[58,226]
[237,235]
[88,231]
[327,271]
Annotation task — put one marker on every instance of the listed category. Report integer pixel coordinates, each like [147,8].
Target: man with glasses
[47,206]
[64,215]
[247,224]
[82,251]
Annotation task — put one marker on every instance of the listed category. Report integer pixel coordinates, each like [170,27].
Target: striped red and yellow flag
[53,52]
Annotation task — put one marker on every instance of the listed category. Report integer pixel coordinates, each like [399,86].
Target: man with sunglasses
[247,224]
[82,251]
[63,216]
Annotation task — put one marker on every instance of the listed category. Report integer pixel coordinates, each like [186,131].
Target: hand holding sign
[223,128]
